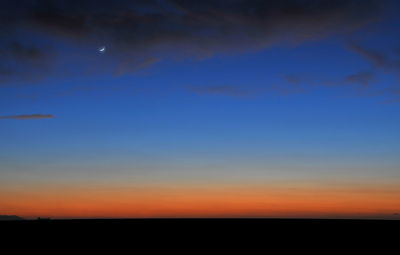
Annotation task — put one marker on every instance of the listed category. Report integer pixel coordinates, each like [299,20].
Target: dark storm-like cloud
[29,117]
[152,29]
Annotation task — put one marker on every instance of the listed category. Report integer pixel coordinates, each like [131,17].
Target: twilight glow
[171,108]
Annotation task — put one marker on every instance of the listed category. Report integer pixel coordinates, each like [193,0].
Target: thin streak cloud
[221,90]
[28,117]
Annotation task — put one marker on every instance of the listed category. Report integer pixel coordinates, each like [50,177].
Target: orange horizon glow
[279,200]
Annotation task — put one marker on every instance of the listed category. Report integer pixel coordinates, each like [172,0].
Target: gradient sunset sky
[212,108]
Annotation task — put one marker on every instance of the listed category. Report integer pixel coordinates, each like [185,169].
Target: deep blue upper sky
[319,100]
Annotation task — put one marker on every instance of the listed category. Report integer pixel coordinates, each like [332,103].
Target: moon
[102,49]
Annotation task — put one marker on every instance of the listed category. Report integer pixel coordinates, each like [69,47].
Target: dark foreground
[210,225]
[199,233]
[199,223]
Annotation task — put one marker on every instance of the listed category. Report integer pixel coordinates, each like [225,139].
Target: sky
[172,108]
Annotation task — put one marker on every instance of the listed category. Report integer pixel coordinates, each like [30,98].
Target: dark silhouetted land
[223,225]
[10,218]
[198,233]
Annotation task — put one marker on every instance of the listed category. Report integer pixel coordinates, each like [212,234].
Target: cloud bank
[152,29]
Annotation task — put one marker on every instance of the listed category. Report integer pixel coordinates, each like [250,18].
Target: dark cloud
[29,117]
[363,78]
[151,29]
[22,52]
[20,62]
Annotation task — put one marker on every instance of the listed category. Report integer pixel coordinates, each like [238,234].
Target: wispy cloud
[131,66]
[378,59]
[363,78]
[363,83]
[394,94]
[381,61]
[293,79]
[221,90]
[29,116]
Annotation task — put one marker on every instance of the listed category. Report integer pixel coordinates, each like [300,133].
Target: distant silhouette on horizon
[40,218]
[10,217]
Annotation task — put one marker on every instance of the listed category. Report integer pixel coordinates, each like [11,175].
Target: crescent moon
[102,49]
